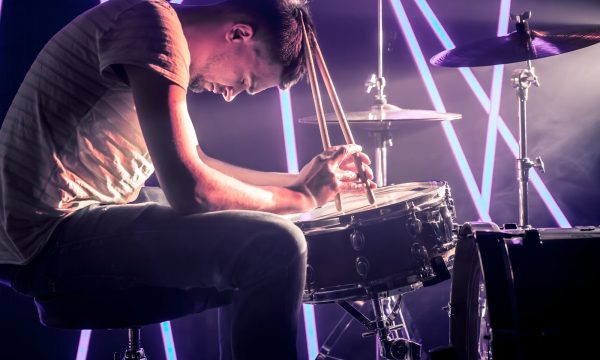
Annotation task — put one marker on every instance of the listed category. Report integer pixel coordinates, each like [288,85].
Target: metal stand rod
[383,140]
[521,80]
[522,166]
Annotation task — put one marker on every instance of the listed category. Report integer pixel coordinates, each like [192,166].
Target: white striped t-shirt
[71,137]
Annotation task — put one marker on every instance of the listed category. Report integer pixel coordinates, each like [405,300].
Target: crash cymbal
[386,117]
[514,47]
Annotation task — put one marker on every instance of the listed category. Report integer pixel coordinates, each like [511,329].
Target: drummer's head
[243,45]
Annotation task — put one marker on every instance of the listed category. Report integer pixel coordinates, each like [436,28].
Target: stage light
[84,344]
[486,103]
[288,131]
[287,117]
[434,94]
[168,343]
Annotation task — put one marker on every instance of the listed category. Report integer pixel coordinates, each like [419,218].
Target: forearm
[252,177]
[216,190]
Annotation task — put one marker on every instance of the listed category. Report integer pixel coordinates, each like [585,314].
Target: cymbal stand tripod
[521,80]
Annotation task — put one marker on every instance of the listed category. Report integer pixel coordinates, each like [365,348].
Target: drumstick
[341,116]
[314,86]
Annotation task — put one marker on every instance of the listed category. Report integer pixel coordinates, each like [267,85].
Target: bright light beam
[310,328]
[168,343]
[492,130]
[84,344]
[485,102]
[434,94]
[491,137]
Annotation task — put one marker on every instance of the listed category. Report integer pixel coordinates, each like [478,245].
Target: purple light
[310,328]
[84,344]
[288,130]
[168,343]
[485,102]
[492,132]
[434,94]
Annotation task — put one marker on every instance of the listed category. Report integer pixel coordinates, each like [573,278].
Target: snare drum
[373,249]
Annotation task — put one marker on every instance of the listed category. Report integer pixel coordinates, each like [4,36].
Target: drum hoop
[421,202]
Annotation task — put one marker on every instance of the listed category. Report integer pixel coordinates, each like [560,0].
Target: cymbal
[514,47]
[386,117]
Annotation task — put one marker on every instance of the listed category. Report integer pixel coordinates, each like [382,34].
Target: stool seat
[129,308]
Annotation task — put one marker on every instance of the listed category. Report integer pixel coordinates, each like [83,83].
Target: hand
[331,172]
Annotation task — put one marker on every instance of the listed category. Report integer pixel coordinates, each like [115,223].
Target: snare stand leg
[397,348]
[333,337]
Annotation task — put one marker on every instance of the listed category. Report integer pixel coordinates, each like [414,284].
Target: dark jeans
[113,247]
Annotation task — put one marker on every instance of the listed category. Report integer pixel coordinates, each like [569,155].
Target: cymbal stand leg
[521,80]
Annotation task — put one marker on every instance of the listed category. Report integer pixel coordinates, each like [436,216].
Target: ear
[240,32]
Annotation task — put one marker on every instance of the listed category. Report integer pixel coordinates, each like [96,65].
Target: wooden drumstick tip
[338,203]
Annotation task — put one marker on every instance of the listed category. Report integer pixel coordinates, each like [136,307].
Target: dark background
[564,124]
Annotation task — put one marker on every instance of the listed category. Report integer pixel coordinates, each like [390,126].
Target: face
[238,64]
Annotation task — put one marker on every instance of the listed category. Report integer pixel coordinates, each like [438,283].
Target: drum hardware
[523,44]
[383,326]
[393,262]
[517,293]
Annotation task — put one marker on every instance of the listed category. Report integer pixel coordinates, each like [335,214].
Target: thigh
[120,246]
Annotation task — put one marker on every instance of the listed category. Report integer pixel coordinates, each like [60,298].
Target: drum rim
[421,202]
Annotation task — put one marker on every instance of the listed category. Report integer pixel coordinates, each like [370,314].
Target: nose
[230,93]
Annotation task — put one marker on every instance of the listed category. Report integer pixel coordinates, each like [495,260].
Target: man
[102,107]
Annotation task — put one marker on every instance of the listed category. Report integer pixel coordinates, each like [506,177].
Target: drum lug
[362,266]
[414,226]
[357,240]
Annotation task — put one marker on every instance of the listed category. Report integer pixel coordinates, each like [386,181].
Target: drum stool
[130,309]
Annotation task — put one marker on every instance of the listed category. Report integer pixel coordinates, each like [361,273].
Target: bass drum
[525,294]
[400,241]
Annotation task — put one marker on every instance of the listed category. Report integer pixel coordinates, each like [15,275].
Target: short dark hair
[278,23]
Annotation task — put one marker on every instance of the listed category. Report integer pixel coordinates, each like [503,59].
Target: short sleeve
[148,35]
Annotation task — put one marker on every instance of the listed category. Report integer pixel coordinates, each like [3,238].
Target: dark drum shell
[373,249]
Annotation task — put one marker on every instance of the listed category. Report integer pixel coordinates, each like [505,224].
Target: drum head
[391,201]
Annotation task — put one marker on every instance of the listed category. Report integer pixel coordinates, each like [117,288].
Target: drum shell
[540,289]
[395,255]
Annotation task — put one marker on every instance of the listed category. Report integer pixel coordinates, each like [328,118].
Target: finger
[352,187]
[364,158]
[344,152]
[346,176]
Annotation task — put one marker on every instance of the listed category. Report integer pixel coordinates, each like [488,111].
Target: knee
[285,239]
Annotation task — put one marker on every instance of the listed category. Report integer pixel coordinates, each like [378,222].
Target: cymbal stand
[383,137]
[521,80]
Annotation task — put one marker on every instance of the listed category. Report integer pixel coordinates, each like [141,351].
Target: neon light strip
[288,131]
[492,132]
[485,102]
[439,106]
[0,8]
[491,137]
[310,328]
[168,343]
[84,344]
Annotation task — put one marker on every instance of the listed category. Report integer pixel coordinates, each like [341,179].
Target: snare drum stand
[521,80]
[390,344]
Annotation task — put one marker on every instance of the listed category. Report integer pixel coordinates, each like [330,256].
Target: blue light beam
[439,106]
[310,328]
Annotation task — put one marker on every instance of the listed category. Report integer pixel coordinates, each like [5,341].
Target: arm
[249,176]
[189,183]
